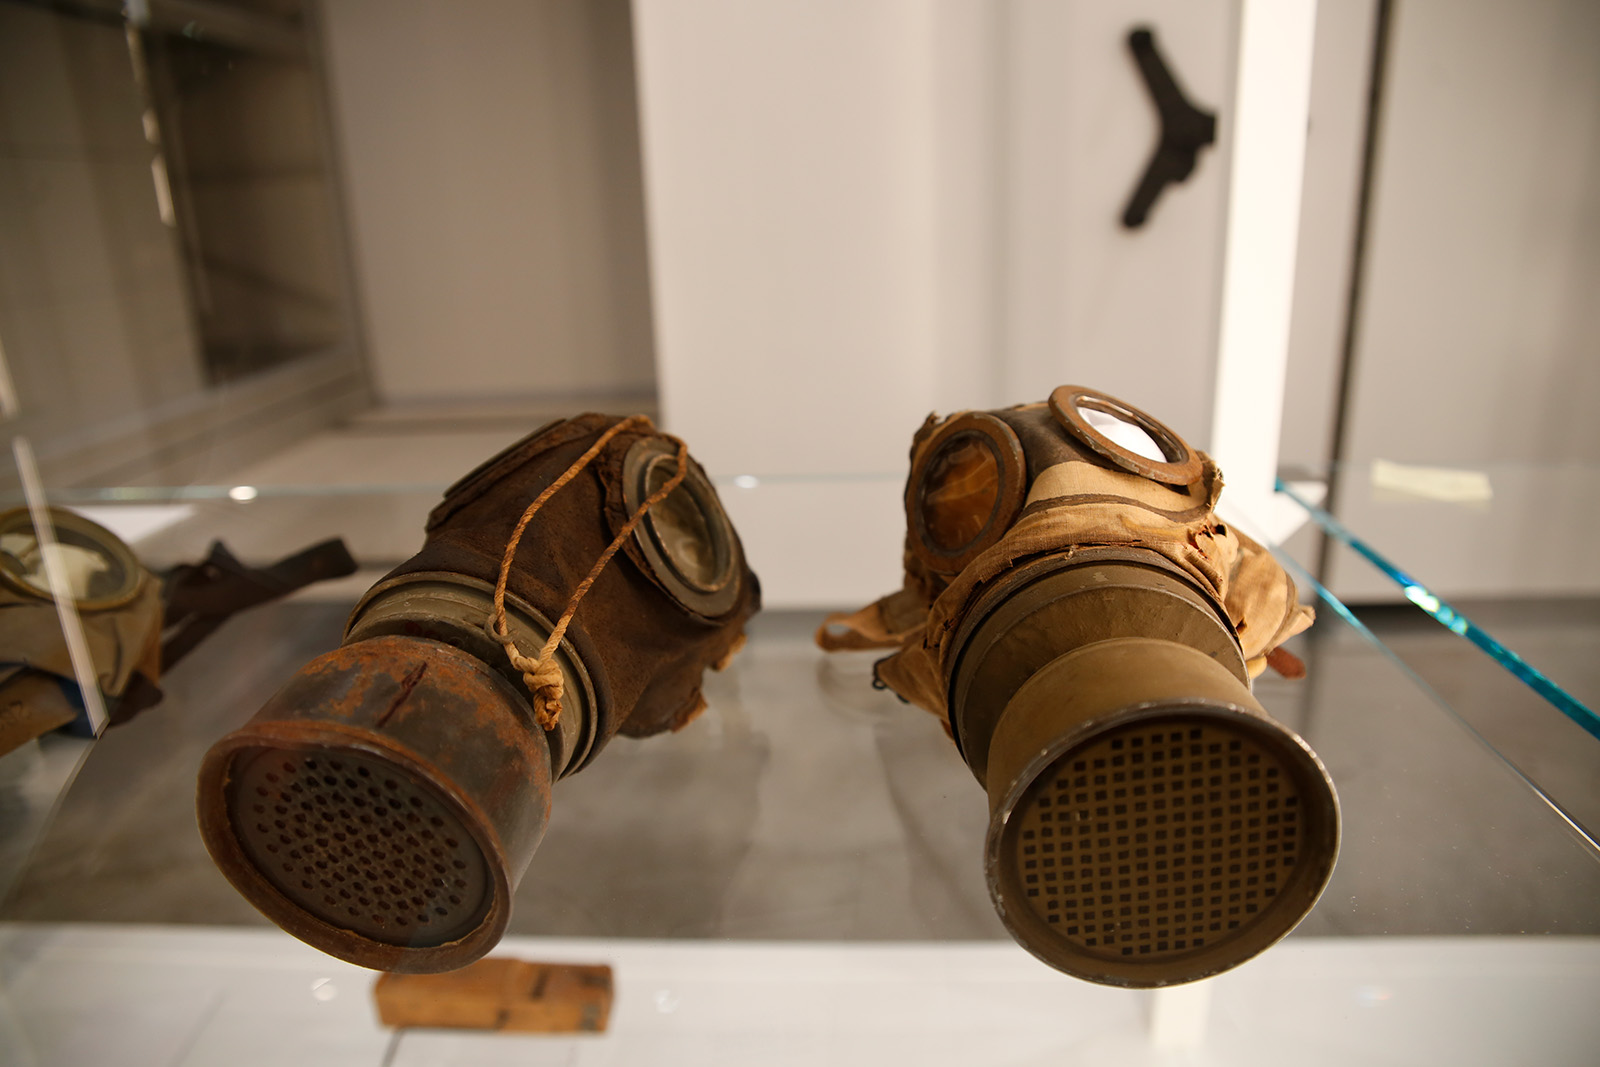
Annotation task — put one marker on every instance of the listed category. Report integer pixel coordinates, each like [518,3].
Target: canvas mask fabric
[123,641]
[1076,500]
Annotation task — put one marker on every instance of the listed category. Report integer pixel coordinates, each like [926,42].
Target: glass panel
[1519,676]
[1348,542]
[93,302]
[803,806]
[168,227]
[249,181]
[50,706]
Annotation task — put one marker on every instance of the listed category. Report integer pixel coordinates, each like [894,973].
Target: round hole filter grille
[355,842]
[1161,840]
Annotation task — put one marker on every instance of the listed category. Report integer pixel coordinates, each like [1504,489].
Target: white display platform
[165,995]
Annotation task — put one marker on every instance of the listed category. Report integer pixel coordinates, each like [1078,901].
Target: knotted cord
[542,674]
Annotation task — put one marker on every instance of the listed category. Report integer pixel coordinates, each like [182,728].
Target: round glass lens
[681,529]
[91,572]
[960,490]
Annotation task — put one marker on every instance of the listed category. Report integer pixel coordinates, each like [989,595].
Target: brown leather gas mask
[1087,629]
[384,805]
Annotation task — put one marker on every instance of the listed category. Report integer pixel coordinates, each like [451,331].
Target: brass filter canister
[1149,823]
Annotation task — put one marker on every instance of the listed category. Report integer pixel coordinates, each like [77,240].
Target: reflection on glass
[241,138]
[167,223]
[89,574]
[1121,432]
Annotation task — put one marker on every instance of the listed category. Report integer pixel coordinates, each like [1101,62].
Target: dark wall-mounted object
[1185,129]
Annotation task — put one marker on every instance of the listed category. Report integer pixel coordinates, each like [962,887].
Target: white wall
[490,158]
[796,239]
[789,148]
[1132,312]
[1479,336]
[863,211]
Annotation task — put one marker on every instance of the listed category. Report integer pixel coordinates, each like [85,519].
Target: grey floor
[806,805]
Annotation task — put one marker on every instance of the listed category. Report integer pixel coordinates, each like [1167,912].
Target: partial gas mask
[384,805]
[137,625]
[1087,629]
[118,603]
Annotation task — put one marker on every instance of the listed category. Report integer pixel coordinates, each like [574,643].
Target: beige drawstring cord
[543,675]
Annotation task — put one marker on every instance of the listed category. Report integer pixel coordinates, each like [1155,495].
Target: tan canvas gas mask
[136,626]
[118,604]
[384,805]
[1088,629]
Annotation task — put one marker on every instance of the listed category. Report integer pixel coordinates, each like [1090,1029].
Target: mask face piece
[1088,629]
[385,804]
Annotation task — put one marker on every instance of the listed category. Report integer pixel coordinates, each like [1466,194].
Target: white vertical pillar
[1178,1016]
[1271,105]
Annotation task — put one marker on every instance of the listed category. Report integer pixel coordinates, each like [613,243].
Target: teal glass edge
[1448,617]
[1349,617]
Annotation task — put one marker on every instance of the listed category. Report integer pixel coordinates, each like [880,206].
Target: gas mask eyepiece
[384,805]
[1088,629]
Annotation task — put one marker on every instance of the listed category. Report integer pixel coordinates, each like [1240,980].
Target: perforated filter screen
[355,842]
[1158,839]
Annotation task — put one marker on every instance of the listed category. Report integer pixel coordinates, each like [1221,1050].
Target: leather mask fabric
[645,651]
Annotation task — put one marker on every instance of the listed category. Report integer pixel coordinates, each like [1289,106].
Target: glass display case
[797,875]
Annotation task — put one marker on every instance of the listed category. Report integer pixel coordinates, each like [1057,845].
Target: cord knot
[542,675]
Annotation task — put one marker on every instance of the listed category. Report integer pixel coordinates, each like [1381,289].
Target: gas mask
[118,603]
[1087,629]
[384,805]
[136,625]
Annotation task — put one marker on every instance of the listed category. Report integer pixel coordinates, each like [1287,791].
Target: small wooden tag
[500,994]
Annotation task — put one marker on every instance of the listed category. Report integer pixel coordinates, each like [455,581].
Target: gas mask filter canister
[1088,629]
[385,803]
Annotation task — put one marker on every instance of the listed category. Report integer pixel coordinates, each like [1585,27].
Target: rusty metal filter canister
[384,805]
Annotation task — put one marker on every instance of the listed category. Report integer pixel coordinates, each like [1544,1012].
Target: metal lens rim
[1182,466]
[710,509]
[708,602]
